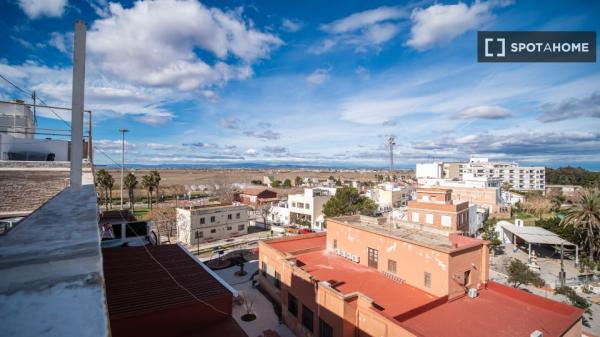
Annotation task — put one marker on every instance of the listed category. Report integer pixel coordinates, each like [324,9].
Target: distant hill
[252,166]
[572,176]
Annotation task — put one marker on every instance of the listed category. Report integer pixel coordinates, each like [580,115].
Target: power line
[16,86]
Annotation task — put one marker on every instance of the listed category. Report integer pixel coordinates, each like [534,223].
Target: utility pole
[77,104]
[122,131]
[34,97]
[391,144]
[90,149]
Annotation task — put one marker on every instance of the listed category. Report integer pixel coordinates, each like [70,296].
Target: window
[334,244]
[213,230]
[264,268]
[429,218]
[241,227]
[228,228]
[277,280]
[237,215]
[373,258]
[229,216]
[392,266]
[325,330]
[136,229]
[427,280]
[415,216]
[307,318]
[293,204]
[307,206]
[201,220]
[199,234]
[292,305]
[446,221]
[212,219]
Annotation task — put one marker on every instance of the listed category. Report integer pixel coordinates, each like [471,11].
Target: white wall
[8,143]
[430,170]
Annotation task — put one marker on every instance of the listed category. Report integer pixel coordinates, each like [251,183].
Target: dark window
[212,219]
[427,280]
[373,258]
[307,318]
[199,234]
[392,266]
[292,305]
[237,215]
[467,278]
[229,216]
[334,244]
[264,268]
[213,231]
[228,228]
[325,330]
[117,230]
[136,229]
[277,280]
[241,227]
[201,220]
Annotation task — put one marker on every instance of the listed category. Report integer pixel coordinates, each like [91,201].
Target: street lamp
[122,131]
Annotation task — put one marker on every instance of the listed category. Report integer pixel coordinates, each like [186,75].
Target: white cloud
[154,43]
[251,152]
[290,25]
[61,41]
[230,123]
[363,30]
[38,8]
[485,112]
[363,72]
[441,23]
[318,76]
[363,19]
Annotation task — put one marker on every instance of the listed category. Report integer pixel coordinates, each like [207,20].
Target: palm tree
[584,214]
[148,184]
[156,182]
[101,183]
[130,181]
[109,182]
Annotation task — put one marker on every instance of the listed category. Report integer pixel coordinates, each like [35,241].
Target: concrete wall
[24,190]
[458,215]
[9,143]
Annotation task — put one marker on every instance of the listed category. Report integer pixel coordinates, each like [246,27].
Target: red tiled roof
[498,310]
[254,190]
[299,243]
[136,284]
[346,277]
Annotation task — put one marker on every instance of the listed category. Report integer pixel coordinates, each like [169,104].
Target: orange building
[434,207]
[369,278]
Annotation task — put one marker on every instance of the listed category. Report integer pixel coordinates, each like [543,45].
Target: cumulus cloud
[319,76]
[39,8]
[572,108]
[153,43]
[265,135]
[363,30]
[442,23]
[290,25]
[61,41]
[251,152]
[484,112]
[230,123]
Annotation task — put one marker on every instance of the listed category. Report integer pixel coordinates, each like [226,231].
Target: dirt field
[203,176]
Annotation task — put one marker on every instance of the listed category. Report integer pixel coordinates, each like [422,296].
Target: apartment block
[365,277]
[308,206]
[391,195]
[211,222]
[435,207]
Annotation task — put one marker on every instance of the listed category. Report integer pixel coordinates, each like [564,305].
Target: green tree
[506,186]
[490,234]
[519,274]
[276,183]
[287,183]
[574,298]
[557,202]
[106,181]
[298,181]
[584,214]
[148,185]
[347,201]
[156,181]
[130,182]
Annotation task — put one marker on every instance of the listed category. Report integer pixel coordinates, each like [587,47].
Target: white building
[391,195]
[308,206]
[430,170]
[280,213]
[17,137]
[211,222]
[519,177]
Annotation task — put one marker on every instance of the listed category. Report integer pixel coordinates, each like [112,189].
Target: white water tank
[472,292]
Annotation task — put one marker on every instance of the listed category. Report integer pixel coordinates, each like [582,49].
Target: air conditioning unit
[356,259]
[472,292]
[337,251]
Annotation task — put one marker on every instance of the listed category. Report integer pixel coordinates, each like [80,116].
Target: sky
[307,82]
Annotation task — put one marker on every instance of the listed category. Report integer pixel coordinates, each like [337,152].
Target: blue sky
[308,82]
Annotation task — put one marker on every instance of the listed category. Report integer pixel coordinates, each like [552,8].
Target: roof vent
[536,333]
[472,292]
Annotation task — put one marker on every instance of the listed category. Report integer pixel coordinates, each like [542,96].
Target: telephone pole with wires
[122,131]
[391,143]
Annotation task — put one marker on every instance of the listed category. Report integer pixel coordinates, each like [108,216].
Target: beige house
[308,206]
[211,222]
